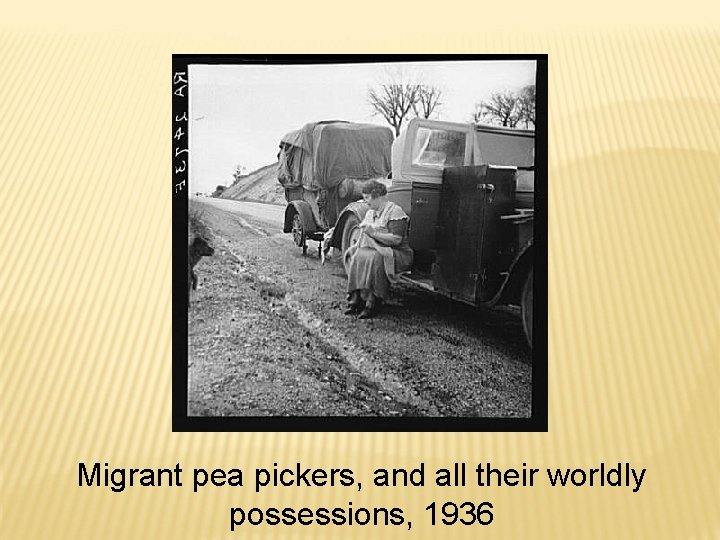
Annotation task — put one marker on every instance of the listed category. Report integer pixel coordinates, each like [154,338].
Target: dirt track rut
[267,336]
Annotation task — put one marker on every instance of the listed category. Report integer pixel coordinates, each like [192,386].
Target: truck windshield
[438,148]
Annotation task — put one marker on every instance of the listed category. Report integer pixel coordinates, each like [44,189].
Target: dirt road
[267,336]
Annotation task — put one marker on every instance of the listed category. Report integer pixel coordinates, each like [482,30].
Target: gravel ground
[267,336]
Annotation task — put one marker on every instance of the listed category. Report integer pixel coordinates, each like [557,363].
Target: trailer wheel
[526,307]
[351,232]
[298,232]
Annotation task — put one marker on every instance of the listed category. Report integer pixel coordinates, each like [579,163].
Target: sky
[238,113]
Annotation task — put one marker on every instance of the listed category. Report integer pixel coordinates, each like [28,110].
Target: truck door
[469,264]
[419,156]
[425,201]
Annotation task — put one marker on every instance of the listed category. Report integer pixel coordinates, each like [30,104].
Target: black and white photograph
[366,243]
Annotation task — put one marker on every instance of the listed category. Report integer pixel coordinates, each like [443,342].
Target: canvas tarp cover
[323,154]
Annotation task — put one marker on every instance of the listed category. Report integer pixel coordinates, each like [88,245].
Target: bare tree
[502,108]
[508,108]
[393,101]
[428,99]
[527,105]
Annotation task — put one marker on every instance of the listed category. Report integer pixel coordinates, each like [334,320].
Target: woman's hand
[381,237]
[368,229]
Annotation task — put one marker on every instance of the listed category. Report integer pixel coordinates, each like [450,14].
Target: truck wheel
[351,232]
[298,232]
[526,307]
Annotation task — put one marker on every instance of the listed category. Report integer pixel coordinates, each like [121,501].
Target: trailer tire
[298,232]
[526,307]
[350,233]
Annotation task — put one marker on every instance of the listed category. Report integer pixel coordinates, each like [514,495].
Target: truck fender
[512,287]
[358,208]
[306,215]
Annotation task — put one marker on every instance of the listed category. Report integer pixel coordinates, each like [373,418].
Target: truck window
[438,148]
[498,148]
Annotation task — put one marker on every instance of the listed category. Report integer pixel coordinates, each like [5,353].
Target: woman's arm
[395,235]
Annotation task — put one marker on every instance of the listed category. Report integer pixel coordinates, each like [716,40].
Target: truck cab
[423,152]
[469,192]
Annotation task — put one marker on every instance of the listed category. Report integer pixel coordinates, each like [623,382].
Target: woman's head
[372,192]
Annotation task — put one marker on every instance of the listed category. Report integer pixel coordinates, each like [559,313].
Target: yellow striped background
[85,301]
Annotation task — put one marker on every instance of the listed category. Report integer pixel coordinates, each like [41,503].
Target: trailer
[322,168]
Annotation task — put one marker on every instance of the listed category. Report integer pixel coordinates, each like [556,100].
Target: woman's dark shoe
[355,303]
[371,307]
[353,308]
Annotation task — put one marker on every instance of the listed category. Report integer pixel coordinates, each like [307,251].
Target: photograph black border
[181,422]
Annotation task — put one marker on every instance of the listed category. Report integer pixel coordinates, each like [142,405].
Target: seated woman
[381,253]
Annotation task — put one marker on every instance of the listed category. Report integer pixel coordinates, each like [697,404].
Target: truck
[468,189]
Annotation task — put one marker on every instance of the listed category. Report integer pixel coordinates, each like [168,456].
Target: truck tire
[526,307]
[350,232]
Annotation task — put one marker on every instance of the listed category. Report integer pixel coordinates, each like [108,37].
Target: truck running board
[419,281]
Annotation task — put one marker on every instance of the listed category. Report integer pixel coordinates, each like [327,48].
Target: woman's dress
[372,265]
